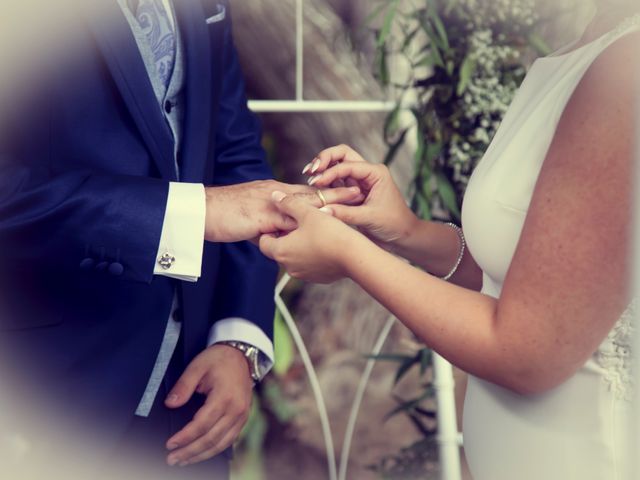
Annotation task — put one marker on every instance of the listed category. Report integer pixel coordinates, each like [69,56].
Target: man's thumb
[184,388]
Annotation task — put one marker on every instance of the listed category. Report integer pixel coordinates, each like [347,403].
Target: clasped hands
[291,224]
[323,247]
[356,192]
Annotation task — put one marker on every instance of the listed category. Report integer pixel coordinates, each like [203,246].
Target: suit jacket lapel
[194,150]
[120,51]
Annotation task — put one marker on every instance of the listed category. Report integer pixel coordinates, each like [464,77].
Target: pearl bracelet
[460,255]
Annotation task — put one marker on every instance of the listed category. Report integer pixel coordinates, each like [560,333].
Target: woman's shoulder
[621,45]
[616,68]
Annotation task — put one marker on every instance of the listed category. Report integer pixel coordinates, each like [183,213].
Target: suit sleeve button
[87,263]
[116,269]
[102,266]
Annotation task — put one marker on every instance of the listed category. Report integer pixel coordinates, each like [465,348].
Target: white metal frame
[636,268]
[449,439]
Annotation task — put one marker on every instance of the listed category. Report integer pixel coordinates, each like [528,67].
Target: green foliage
[415,408]
[283,346]
[416,462]
[251,444]
[467,61]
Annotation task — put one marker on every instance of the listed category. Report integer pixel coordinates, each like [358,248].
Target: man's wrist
[210,233]
[251,354]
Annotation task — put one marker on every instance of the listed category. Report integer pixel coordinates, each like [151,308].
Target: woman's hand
[319,250]
[384,215]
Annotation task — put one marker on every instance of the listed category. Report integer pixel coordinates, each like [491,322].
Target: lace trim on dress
[615,354]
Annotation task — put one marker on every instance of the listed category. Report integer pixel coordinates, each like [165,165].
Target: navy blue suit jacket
[85,167]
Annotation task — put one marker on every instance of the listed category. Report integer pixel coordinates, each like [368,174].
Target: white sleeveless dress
[580,429]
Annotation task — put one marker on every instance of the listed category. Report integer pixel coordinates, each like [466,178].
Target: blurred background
[452,68]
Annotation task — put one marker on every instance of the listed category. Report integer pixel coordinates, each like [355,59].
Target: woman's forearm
[460,324]
[435,247]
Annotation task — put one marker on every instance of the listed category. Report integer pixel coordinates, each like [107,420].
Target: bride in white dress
[547,218]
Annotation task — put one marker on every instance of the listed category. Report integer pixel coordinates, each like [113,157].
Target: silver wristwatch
[252,354]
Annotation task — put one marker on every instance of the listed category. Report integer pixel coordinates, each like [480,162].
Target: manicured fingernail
[306,168]
[327,210]
[313,180]
[354,189]
[316,165]
[278,196]
[172,398]
[172,461]
[172,446]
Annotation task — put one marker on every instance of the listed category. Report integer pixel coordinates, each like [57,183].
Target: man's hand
[222,374]
[245,211]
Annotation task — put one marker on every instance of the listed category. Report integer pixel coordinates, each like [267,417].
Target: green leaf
[421,426]
[424,209]
[425,61]
[420,143]
[440,28]
[538,44]
[437,57]
[376,11]
[255,430]
[249,463]
[425,360]
[394,148]
[382,67]
[391,122]
[283,346]
[278,403]
[433,36]
[467,69]
[408,405]
[448,195]
[391,357]
[408,39]
[434,149]
[426,413]
[404,369]
[387,24]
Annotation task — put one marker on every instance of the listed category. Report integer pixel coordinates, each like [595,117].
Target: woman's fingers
[346,195]
[330,157]
[339,153]
[355,216]
[360,173]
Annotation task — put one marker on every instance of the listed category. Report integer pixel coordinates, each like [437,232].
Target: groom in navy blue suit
[131,301]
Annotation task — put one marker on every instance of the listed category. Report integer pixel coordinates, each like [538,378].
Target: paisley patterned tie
[154,20]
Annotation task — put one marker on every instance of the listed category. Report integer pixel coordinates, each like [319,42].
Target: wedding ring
[321,197]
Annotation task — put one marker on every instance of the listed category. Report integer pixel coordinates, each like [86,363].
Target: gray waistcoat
[171,104]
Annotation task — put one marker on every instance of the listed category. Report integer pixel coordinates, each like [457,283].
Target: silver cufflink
[166,260]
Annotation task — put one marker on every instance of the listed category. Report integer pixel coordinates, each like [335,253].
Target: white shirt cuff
[182,237]
[241,330]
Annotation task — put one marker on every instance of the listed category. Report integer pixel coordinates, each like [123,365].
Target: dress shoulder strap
[628,25]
